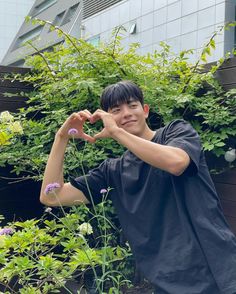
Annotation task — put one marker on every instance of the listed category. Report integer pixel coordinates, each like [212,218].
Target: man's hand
[76,121]
[110,126]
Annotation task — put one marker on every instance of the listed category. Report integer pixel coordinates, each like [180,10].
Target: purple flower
[50,188]
[72,132]
[103,191]
[6,231]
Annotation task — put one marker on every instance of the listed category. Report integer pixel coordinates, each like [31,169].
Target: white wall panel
[184,24]
[206,17]
[189,23]
[160,16]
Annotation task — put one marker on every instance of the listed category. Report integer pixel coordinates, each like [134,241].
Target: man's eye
[133,105]
[115,110]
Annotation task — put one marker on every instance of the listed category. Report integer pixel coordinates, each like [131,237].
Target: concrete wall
[12,13]
[184,24]
[16,53]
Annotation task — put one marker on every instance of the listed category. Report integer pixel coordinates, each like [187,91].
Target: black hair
[119,93]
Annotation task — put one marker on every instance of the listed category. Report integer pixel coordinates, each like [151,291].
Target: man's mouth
[128,122]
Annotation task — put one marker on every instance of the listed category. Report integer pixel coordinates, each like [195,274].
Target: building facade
[12,13]
[66,14]
[183,24]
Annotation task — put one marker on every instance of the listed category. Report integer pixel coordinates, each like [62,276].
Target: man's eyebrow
[128,102]
[115,105]
[131,100]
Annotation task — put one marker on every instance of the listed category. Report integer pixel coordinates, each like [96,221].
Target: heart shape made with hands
[77,121]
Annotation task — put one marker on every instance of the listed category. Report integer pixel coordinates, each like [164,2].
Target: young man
[162,191]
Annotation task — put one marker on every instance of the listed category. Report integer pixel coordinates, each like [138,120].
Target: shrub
[72,77]
[40,256]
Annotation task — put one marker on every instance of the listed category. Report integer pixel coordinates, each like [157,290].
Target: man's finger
[88,138]
[87,111]
[84,114]
[100,135]
[94,118]
[97,115]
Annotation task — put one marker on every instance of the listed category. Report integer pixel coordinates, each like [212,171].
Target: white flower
[16,127]
[86,229]
[48,209]
[6,117]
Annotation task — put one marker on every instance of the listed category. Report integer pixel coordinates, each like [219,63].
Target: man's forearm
[168,158]
[54,168]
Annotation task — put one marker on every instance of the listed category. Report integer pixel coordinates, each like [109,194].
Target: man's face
[131,116]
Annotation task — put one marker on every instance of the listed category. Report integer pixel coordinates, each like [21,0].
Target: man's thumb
[101,135]
[88,138]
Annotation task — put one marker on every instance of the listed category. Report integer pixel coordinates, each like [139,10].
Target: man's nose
[126,111]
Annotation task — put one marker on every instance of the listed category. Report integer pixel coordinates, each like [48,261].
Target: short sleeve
[181,134]
[92,183]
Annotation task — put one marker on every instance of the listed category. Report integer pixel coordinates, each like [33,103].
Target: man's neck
[148,134]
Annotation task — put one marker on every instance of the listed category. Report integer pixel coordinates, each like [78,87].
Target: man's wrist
[62,137]
[116,133]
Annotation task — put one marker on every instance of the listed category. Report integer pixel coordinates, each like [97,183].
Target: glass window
[94,41]
[58,18]
[70,13]
[44,5]
[19,63]
[31,35]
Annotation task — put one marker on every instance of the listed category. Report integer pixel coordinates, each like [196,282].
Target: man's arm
[65,195]
[171,159]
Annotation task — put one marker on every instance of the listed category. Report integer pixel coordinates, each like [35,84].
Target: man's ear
[146,110]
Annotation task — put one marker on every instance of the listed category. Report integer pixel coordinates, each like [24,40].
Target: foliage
[73,75]
[39,256]
[42,254]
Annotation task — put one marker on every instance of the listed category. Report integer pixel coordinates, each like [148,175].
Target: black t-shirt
[174,224]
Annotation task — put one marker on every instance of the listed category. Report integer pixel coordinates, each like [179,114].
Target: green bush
[40,256]
[72,77]
[43,254]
